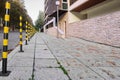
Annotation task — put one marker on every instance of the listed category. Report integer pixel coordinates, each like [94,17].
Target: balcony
[80,5]
[51,11]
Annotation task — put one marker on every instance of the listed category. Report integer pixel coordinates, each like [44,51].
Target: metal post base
[5,74]
[21,51]
[21,48]
[26,43]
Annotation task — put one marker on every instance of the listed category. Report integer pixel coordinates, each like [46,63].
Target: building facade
[93,20]
[51,11]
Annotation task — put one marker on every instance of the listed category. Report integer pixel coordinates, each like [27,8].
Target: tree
[17,9]
[40,21]
[2,8]
[20,3]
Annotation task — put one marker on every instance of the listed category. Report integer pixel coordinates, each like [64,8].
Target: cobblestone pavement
[85,60]
[13,40]
[64,59]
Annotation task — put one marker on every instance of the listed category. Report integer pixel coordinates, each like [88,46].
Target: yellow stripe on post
[7,17]
[6,29]
[20,24]
[4,54]
[20,18]
[20,42]
[7,5]
[5,42]
[26,38]
[20,30]
[26,22]
[20,36]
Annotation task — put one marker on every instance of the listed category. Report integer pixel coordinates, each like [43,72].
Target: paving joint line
[60,66]
[85,65]
[19,66]
[33,70]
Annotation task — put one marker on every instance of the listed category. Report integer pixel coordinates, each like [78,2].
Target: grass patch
[32,77]
[58,62]
[63,69]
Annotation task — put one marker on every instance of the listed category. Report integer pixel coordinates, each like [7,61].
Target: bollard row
[30,31]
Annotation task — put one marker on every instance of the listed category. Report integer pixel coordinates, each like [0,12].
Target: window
[64,0]
[64,4]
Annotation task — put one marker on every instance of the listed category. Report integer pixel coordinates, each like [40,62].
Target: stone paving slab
[60,53]
[81,59]
[50,74]
[29,51]
[41,47]
[109,73]
[80,54]
[89,53]
[46,63]
[21,62]
[18,73]
[43,54]
[83,73]
[63,55]
[98,62]
[25,55]
[46,51]
[28,47]
[70,63]
[114,61]
[40,42]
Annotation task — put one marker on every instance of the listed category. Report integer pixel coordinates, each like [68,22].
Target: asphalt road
[13,40]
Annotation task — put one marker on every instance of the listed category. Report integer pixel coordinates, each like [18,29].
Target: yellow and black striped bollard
[29,32]
[4,71]
[21,46]
[26,33]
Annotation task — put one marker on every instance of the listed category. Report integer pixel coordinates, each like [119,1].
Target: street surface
[63,59]
[85,60]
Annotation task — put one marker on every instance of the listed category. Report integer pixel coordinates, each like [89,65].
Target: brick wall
[52,31]
[103,29]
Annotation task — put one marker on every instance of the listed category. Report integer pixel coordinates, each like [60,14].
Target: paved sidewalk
[46,66]
[85,60]
[64,59]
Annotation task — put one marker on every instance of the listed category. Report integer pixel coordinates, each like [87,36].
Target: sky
[33,7]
